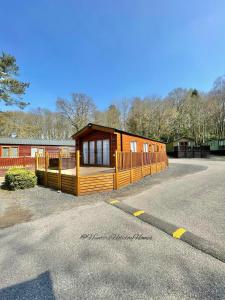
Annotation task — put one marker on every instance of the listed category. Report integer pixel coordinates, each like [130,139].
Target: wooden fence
[129,167]
[22,161]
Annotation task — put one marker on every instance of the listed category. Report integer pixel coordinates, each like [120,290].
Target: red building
[16,147]
[97,144]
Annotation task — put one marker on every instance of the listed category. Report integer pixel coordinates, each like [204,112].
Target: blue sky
[113,49]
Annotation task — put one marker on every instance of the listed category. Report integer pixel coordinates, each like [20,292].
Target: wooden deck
[84,171]
[88,180]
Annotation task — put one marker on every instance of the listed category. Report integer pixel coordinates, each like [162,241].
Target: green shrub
[18,178]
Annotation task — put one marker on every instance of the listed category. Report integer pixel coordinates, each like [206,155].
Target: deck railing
[129,167]
[129,160]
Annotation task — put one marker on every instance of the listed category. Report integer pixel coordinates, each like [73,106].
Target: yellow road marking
[138,213]
[114,202]
[178,233]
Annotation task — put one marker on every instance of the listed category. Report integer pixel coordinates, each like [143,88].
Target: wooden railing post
[36,162]
[131,171]
[142,158]
[77,173]
[46,168]
[156,160]
[116,171]
[60,170]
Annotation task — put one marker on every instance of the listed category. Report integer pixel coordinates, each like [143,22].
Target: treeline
[183,112]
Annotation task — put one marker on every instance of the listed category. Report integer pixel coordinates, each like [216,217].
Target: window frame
[145,147]
[9,151]
[135,147]
[38,148]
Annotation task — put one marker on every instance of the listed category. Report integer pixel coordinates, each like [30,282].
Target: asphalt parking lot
[196,201]
[97,251]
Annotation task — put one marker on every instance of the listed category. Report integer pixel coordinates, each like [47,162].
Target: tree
[79,110]
[124,110]
[218,93]
[113,116]
[11,90]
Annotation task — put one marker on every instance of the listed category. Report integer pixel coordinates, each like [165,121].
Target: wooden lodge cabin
[17,147]
[97,144]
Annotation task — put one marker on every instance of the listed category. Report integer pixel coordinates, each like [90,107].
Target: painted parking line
[180,233]
[114,202]
[138,213]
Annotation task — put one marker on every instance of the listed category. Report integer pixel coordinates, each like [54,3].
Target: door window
[99,152]
[85,152]
[106,159]
[92,152]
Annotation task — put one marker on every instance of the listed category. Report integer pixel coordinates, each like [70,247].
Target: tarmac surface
[97,251]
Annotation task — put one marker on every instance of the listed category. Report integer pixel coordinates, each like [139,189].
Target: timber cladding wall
[130,176]
[68,184]
[124,178]
[52,180]
[124,140]
[96,183]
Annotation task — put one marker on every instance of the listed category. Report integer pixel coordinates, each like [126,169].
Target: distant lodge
[185,147]
[217,146]
[18,147]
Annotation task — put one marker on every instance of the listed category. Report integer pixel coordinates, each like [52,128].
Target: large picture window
[96,152]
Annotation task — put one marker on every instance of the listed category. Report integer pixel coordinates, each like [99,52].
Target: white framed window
[145,147]
[5,151]
[35,150]
[133,146]
[14,152]
[10,152]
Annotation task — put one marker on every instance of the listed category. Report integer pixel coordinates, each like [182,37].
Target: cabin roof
[180,138]
[110,130]
[38,142]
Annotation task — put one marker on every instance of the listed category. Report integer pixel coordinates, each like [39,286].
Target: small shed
[97,144]
[181,144]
